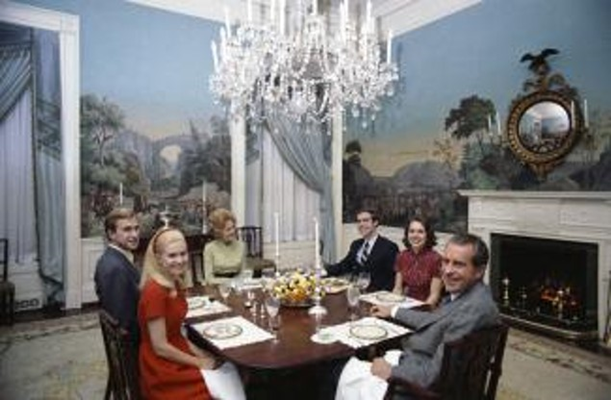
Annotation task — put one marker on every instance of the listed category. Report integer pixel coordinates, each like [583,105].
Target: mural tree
[472,117]
[102,120]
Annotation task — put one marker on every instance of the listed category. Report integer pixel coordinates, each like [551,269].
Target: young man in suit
[371,253]
[468,307]
[117,279]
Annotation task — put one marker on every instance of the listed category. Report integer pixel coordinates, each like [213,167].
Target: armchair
[470,369]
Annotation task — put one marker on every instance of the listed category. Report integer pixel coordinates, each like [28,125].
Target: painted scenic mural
[151,137]
[445,128]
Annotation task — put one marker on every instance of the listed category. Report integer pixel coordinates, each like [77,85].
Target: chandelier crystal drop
[301,70]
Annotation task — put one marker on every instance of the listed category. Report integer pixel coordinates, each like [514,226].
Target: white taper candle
[120,193]
[277,234]
[586,119]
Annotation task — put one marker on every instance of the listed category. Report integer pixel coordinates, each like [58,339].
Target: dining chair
[7,288]
[195,245]
[470,369]
[253,240]
[123,378]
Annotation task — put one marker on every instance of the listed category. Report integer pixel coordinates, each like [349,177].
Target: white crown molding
[402,16]
[209,9]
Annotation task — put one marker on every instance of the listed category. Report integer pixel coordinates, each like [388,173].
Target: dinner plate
[335,285]
[368,332]
[222,331]
[388,297]
[196,302]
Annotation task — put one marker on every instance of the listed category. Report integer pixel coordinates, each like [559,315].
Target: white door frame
[67,27]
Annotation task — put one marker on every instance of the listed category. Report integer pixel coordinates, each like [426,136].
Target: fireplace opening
[547,284]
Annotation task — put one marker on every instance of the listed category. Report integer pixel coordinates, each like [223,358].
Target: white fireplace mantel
[575,216]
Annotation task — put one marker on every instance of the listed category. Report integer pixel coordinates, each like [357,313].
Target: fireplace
[549,284]
[578,226]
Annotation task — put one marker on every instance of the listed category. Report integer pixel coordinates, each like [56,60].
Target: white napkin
[209,308]
[342,332]
[251,333]
[374,298]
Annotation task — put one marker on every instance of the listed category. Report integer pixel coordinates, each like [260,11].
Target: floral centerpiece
[295,289]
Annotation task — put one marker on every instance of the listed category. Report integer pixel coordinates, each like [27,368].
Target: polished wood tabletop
[293,347]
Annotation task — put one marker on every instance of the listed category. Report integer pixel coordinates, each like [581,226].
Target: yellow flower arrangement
[295,288]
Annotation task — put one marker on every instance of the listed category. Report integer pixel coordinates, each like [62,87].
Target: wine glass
[352,295]
[224,291]
[363,281]
[272,306]
[267,278]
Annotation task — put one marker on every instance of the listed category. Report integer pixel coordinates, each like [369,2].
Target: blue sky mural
[477,51]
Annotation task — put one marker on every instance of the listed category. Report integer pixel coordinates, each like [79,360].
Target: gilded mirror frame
[544,143]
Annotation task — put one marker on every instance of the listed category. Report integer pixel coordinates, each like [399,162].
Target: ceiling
[400,16]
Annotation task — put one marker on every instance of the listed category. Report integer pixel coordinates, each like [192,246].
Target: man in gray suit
[117,279]
[468,307]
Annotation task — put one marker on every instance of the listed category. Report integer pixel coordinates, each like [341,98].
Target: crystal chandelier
[301,69]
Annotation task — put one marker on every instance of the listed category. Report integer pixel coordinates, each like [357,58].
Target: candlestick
[498,124]
[120,193]
[586,120]
[489,124]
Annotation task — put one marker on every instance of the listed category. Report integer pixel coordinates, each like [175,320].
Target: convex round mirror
[542,128]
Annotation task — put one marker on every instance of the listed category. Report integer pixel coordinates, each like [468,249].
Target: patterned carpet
[64,359]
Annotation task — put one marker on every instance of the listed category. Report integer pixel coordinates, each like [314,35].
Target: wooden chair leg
[108,393]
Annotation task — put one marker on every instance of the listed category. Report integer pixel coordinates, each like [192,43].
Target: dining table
[292,349]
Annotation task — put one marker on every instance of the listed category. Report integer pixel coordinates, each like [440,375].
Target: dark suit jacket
[423,351]
[117,286]
[380,263]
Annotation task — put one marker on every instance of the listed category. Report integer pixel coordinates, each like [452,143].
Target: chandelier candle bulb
[572,121]
[314,7]
[120,193]
[498,124]
[272,11]
[389,48]
[215,58]
[586,122]
[282,16]
[489,125]
[249,10]
[227,23]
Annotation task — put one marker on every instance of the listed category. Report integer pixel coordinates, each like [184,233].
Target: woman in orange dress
[171,367]
[418,267]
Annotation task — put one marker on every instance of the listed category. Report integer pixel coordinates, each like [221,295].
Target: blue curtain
[15,74]
[303,147]
[51,221]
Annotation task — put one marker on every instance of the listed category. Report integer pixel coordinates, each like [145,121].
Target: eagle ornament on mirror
[546,120]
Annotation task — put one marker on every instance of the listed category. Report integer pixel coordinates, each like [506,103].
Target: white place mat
[378,298]
[250,333]
[208,308]
[343,332]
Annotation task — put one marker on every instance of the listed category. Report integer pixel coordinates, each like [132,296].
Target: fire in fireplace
[547,284]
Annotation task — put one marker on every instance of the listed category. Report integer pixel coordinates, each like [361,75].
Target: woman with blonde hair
[224,257]
[171,367]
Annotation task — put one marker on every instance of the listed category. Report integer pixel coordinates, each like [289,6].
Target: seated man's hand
[381,311]
[381,368]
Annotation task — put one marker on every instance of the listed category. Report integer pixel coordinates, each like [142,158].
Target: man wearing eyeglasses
[372,253]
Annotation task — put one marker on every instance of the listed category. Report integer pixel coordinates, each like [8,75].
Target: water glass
[224,291]
[352,295]
[363,281]
[272,306]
